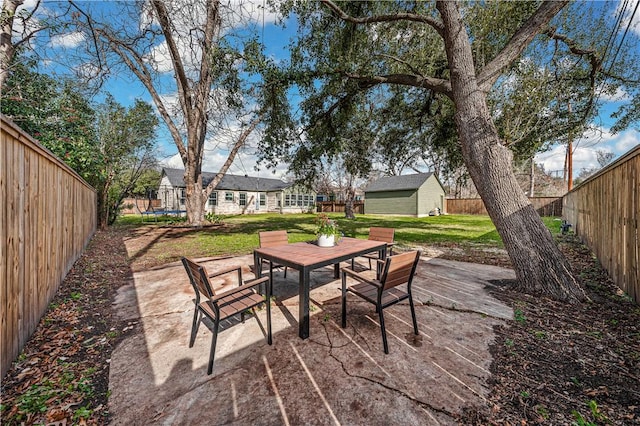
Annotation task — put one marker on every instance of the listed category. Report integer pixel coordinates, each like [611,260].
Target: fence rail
[47,216]
[545,206]
[603,211]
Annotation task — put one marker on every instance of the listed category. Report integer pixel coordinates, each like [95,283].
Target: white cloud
[585,148]
[86,70]
[185,14]
[619,96]
[22,27]
[216,152]
[243,165]
[634,26]
[69,40]
[240,12]
[626,141]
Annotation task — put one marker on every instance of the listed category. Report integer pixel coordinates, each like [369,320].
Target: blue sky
[275,39]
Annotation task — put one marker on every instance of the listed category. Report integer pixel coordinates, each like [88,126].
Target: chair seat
[233,304]
[393,286]
[370,293]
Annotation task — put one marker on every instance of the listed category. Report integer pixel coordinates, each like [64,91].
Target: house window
[263,199]
[287,200]
[306,200]
[243,199]
[228,196]
[213,199]
[183,196]
[300,200]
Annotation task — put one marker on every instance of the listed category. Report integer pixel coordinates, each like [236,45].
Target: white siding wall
[274,202]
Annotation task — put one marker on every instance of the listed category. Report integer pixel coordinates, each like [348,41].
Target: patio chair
[397,270]
[379,234]
[273,239]
[217,307]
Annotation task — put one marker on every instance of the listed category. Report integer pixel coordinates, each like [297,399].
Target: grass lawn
[239,234]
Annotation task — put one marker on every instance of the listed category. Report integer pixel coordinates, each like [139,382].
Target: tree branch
[520,40]
[433,23]
[594,60]
[403,62]
[435,84]
[232,155]
[182,82]
[92,31]
[139,69]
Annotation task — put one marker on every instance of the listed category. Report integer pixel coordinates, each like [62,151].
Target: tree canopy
[109,145]
[387,64]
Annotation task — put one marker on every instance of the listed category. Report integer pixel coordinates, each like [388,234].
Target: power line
[625,34]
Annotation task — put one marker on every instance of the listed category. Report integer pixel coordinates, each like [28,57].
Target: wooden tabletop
[305,254]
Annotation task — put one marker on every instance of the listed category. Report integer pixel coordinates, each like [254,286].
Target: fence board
[47,216]
[604,212]
[545,206]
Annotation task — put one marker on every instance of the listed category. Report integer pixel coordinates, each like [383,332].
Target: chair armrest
[237,289]
[360,277]
[224,271]
[257,281]
[390,248]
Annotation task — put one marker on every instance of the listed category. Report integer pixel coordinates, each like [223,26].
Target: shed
[418,195]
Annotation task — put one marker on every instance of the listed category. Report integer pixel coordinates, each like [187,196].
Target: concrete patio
[337,376]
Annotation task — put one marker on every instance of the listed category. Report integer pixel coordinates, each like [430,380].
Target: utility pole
[569,156]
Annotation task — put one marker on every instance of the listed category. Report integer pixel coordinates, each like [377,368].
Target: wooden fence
[336,207]
[604,211]
[139,205]
[545,206]
[47,216]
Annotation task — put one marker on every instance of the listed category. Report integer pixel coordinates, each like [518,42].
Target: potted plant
[327,230]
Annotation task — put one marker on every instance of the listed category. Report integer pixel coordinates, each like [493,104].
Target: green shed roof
[398,183]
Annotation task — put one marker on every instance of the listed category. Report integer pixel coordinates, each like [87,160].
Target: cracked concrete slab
[336,376]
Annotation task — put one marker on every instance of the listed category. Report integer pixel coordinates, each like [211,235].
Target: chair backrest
[381,234]
[399,269]
[273,238]
[198,277]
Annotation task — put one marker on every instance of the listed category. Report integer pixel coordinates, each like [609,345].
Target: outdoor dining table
[307,256]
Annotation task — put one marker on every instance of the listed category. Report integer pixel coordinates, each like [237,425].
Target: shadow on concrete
[336,376]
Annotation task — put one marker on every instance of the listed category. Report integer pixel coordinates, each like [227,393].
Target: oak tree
[447,61]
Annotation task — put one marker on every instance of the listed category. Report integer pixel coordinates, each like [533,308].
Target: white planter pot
[326,240]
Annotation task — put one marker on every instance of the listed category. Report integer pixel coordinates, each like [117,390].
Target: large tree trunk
[193,200]
[348,203]
[539,265]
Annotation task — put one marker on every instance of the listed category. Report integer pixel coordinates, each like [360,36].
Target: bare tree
[187,41]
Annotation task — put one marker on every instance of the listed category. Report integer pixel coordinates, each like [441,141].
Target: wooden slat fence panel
[604,212]
[47,216]
[545,206]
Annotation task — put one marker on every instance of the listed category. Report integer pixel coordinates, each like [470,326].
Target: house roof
[398,183]
[230,182]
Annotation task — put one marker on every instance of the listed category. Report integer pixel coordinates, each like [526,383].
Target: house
[237,194]
[414,195]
